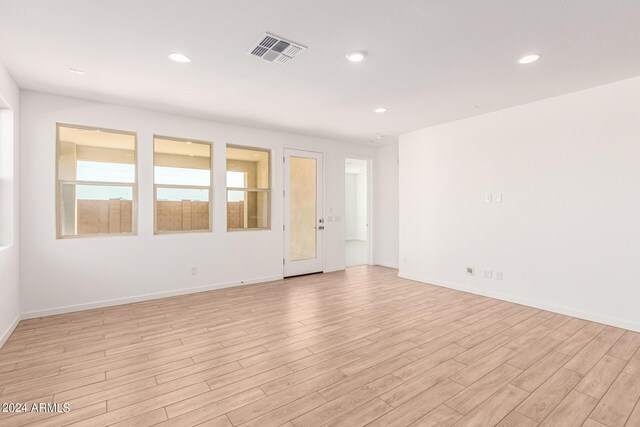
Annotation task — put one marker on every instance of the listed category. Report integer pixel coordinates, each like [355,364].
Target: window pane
[101,156]
[96,209]
[179,194]
[182,176]
[103,192]
[95,155]
[253,163]
[105,172]
[182,209]
[248,168]
[236,179]
[303,208]
[247,209]
[179,163]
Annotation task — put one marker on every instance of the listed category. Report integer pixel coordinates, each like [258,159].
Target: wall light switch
[488,198]
[498,275]
[499,198]
[488,274]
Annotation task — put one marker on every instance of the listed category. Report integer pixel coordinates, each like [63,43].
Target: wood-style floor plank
[353,348]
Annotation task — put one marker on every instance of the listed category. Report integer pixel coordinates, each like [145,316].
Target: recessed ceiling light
[189,142]
[356,56]
[380,110]
[76,71]
[529,59]
[178,57]
[191,154]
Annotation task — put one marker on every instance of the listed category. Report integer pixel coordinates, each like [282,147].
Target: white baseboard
[387,264]
[145,297]
[593,317]
[7,333]
[332,269]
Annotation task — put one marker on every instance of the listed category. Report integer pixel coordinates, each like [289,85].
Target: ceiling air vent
[273,48]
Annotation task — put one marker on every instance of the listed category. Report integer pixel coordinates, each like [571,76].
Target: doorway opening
[357,236]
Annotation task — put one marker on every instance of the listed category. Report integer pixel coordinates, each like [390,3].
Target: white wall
[385,221]
[356,206]
[9,292]
[350,207]
[62,275]
[566,236]
[361,206]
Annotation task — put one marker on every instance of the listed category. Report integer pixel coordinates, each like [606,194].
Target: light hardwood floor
[360,347]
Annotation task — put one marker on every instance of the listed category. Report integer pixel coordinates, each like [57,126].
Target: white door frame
[370,218]
[316,265]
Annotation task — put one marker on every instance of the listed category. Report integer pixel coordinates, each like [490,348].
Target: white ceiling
[429,62]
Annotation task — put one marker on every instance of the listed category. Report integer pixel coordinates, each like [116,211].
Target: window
[182,178]
[96,188]
[248,188]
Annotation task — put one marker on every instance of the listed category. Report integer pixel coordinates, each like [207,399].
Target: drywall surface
[350,206]
[72,274]
[385,202]
[9,201]
[566,234]
[362,206]
[356,206]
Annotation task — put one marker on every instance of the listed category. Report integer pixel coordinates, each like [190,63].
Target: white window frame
[60,183]
[249,189]
[187,187]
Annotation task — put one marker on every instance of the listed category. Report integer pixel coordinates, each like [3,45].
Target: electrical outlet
[193,270]
[498,275]
[488,274]
[470,270]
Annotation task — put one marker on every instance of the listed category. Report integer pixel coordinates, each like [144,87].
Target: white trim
[332,269]
[145,297]
[593,317]
[6,334]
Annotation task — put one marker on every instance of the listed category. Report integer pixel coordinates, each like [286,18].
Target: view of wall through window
[182,178]
[96,181]
[248,188]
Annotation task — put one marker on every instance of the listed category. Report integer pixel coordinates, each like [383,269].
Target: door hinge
[282,227]
[283,159]
[283,193]
[282,261]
